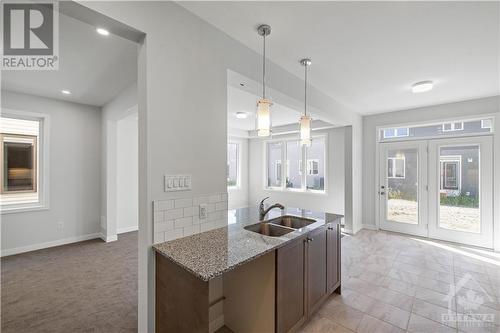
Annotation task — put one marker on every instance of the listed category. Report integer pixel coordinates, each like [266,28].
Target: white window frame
[453,126]
[43,180]
[238,165]
[450,159]
[303,164]
[490,126]
[396,132]
[393,162]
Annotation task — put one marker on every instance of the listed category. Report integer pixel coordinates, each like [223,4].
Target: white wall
[332,201]
[183,65]
[127,174]
[74,157]
[238,197]
[459,110]
[120,107]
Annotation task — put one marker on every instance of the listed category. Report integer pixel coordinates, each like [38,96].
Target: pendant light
[264,105]
[305,120]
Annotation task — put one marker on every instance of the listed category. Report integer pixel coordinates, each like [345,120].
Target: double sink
[280,226]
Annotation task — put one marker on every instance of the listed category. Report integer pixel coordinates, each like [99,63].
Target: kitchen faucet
[263,212]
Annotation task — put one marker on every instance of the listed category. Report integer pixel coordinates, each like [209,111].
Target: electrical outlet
[60,225]
[203,211]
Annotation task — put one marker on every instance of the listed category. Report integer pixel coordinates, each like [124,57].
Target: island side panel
[182,303]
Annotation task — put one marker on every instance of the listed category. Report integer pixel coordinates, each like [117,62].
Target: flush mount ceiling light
[241,115]
[66,92]
[305,120]
[263,105]
[102,31]
[422,86]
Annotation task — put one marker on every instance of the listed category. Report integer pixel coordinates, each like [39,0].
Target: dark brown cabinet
[307,271]
[290,281]
[333,258]
[316,268]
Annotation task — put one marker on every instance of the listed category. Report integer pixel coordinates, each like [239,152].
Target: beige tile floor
[397,283]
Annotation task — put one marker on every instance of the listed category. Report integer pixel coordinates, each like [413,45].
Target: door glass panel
[402,185]
[459,188]
[274,166]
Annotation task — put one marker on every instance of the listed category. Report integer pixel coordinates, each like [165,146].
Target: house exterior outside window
[24,161]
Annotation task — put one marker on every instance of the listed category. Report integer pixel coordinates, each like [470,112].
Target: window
[449,127]
[487,123]
[437,130]
[451,173]
[232,171]
[274,166]
[24,164]
[396,132]
[293,165]
[396,167]
[298,158]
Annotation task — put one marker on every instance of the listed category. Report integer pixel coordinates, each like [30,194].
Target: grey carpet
[83,287]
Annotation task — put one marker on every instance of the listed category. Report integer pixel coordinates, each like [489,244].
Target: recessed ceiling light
[102,31]
[422,86]
[66,92]
[241,115]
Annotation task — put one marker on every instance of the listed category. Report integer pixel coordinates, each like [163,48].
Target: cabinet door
[332,256]
[290,283]
[316,268]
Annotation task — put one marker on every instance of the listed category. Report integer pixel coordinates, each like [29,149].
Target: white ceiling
[94,68]
[243,101]
[368,54]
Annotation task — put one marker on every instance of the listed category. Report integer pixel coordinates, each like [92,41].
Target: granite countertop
[212,253]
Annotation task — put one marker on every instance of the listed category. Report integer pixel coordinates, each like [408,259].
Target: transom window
[436,130]
[297,159]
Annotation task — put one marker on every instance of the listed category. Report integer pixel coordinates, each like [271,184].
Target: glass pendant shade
[305,131]
[264,117]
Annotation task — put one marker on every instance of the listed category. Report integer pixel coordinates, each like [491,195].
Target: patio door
[402,187]
[460,190]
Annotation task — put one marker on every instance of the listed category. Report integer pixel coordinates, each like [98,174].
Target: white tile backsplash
[179,217]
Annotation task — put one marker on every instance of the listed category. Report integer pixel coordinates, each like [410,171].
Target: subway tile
[221,206]
[190,211]
[207,226]
[164,226]
[159,237]
[224,197]
[182,203]
[174,214]
[210,207]
[184,222]
[191,230]
[163,205]
[200,200]
[158,216]
[214,198]
[173,234]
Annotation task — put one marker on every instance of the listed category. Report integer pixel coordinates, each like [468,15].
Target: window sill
[313,192]
[22,208]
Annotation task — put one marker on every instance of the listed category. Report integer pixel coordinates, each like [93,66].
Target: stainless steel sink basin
[294,222]
[269,229]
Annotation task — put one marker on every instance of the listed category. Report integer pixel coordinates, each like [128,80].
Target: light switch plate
[177,183]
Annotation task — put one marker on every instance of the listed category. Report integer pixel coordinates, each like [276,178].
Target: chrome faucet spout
[263,212]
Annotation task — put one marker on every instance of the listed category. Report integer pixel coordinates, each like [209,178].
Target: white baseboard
[127,229]
[215,324]
[107,238]
[369,227]
[39,246]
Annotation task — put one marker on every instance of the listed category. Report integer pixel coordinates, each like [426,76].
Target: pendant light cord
[305,90]
[264,70]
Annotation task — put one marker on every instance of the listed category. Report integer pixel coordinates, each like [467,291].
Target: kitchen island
[266,283]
